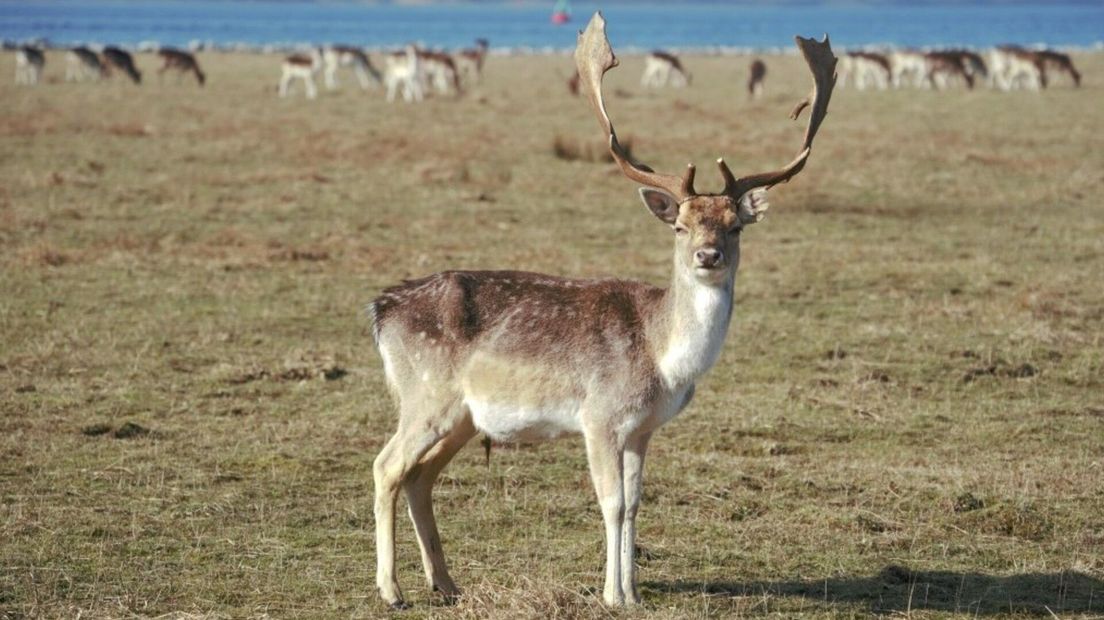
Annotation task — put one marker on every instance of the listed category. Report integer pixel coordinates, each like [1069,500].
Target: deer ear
[661,204]
[753,206]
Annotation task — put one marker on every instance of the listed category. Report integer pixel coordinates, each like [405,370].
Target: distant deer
[1012,67]
[180,61]
[438,71]
[908,68]
[1060,62]
[946,66]
[662,69]
[123,61]
[469,62]
[757,73]
[866,69]
[81,63]
[526,357]
[29,62]
[300,67]
[402,70]
[573,84]
[336,56]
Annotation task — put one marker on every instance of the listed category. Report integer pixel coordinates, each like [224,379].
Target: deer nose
[708,257]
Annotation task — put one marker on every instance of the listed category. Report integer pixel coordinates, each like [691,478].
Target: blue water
[682,25]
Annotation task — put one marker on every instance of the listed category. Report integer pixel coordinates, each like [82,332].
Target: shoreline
[516,51]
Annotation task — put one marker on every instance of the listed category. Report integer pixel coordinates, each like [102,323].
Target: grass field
[907,419]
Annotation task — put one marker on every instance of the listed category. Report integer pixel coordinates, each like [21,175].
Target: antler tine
[593,57]
[822,63]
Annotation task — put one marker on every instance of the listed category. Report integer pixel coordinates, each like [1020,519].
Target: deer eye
[680,230]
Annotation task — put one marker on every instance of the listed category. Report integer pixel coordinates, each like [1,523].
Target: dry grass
[907,418]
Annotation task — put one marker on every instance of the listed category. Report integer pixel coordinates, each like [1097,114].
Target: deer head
[707,226]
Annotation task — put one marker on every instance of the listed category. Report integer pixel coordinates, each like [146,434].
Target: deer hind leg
[420,428]
[285,81]
[604,456]
[419,488]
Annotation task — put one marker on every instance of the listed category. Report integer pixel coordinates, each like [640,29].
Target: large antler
[593,57]
[818,55]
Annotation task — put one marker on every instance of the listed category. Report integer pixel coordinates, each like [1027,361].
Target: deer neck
[693,326]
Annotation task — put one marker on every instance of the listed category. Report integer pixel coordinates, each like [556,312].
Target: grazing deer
[302,67]
[972,62]
[403,70]
[945,66]
[661,69]
[469,62]
[865,69]
[523,356]
[1013,67]
[180,61]
[81,62]
[29,62]
[336,56]
[123,61]
[908,68]
[757,73]
[438,71]
[1060,62]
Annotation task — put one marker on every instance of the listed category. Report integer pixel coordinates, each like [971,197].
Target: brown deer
[1061,62]
[469,62]
[524,356]
[180,61]
[944,66]
[757,74]
[123,61]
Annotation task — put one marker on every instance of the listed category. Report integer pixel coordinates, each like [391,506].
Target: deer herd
[1006,67]
[415,72]
[411,72]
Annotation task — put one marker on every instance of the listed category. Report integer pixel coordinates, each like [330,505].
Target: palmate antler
[593,57]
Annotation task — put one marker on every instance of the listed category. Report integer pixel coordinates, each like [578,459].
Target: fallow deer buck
[524,357]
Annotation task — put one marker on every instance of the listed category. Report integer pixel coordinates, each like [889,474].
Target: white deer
[522,356]
[661,69]
[908,68]
[403,70]
[337,56]
[29,62]
[301,67]
[81,63]
[866,69]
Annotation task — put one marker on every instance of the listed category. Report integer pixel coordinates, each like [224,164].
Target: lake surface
[639,26]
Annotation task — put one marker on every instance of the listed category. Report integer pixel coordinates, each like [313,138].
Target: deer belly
[514,400]
[512,422]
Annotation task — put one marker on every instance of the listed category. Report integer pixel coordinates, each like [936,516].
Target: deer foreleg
[633,478]
[605,459]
